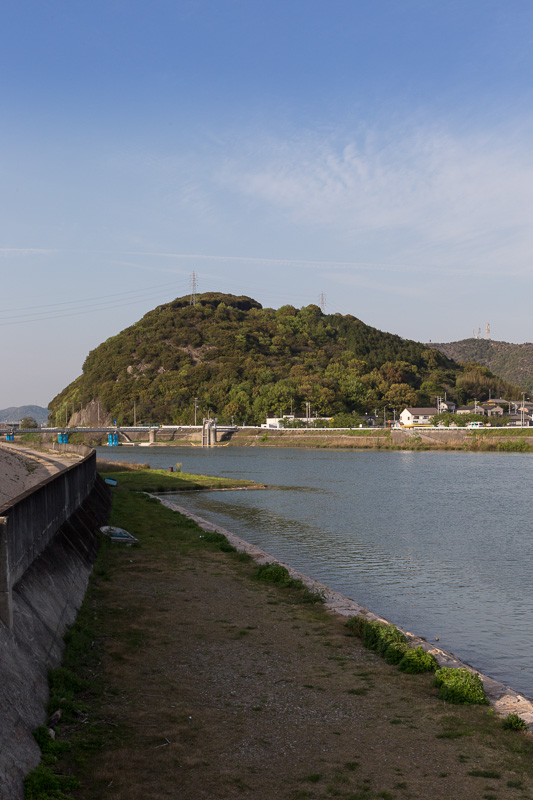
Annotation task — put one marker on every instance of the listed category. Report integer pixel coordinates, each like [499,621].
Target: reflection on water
[439,543]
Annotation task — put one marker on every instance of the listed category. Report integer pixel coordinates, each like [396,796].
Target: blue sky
[378,151]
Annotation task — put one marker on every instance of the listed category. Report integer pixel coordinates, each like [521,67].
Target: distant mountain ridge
[511,362]
[16,413]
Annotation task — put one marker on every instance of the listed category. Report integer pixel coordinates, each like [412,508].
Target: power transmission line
[90,299]
[69,309]
[71,313]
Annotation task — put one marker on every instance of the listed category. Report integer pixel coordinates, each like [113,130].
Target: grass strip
[129,476]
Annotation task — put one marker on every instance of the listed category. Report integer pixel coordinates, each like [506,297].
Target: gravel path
[21,468]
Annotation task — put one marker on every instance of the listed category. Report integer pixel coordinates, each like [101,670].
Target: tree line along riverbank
[186,675]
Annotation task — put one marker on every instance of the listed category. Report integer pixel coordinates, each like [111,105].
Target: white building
[417,416]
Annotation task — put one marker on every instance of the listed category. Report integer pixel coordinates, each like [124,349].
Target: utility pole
[194,288]
[307,413]
[195,409]
[134,414]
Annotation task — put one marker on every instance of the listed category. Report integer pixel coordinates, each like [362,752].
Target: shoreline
[504,699]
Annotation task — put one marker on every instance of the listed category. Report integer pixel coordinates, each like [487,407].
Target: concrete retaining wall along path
[29,524]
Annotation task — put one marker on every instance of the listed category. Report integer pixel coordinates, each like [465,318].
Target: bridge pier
[209,433]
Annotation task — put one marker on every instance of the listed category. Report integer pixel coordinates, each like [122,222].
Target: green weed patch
[460,686]
[64,686]
[392,645]
[513,722]
[219,539]
[44,784]
[280,576]
[520,446]
[416,660]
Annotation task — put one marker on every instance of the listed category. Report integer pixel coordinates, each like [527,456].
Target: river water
[439,543]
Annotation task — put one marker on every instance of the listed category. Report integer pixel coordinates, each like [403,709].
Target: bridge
[209,432]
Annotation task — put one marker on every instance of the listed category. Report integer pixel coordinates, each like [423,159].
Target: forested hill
[511,362]
[244,361]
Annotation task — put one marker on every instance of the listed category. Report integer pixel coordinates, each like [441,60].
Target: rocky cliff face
[91,416]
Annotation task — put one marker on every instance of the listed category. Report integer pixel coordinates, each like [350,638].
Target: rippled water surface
[439,543]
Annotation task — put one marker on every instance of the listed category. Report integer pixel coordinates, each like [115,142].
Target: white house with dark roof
[417,416]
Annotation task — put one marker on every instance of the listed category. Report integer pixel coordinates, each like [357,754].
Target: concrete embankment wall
[46,580]
[378,438]
[436,438]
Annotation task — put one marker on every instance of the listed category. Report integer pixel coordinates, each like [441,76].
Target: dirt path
[21,468]
[217,686]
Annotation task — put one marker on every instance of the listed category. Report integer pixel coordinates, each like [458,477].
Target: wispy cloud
[423,196]
[8,252]
[304,264]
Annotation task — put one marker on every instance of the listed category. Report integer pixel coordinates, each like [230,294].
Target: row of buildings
[518,413]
